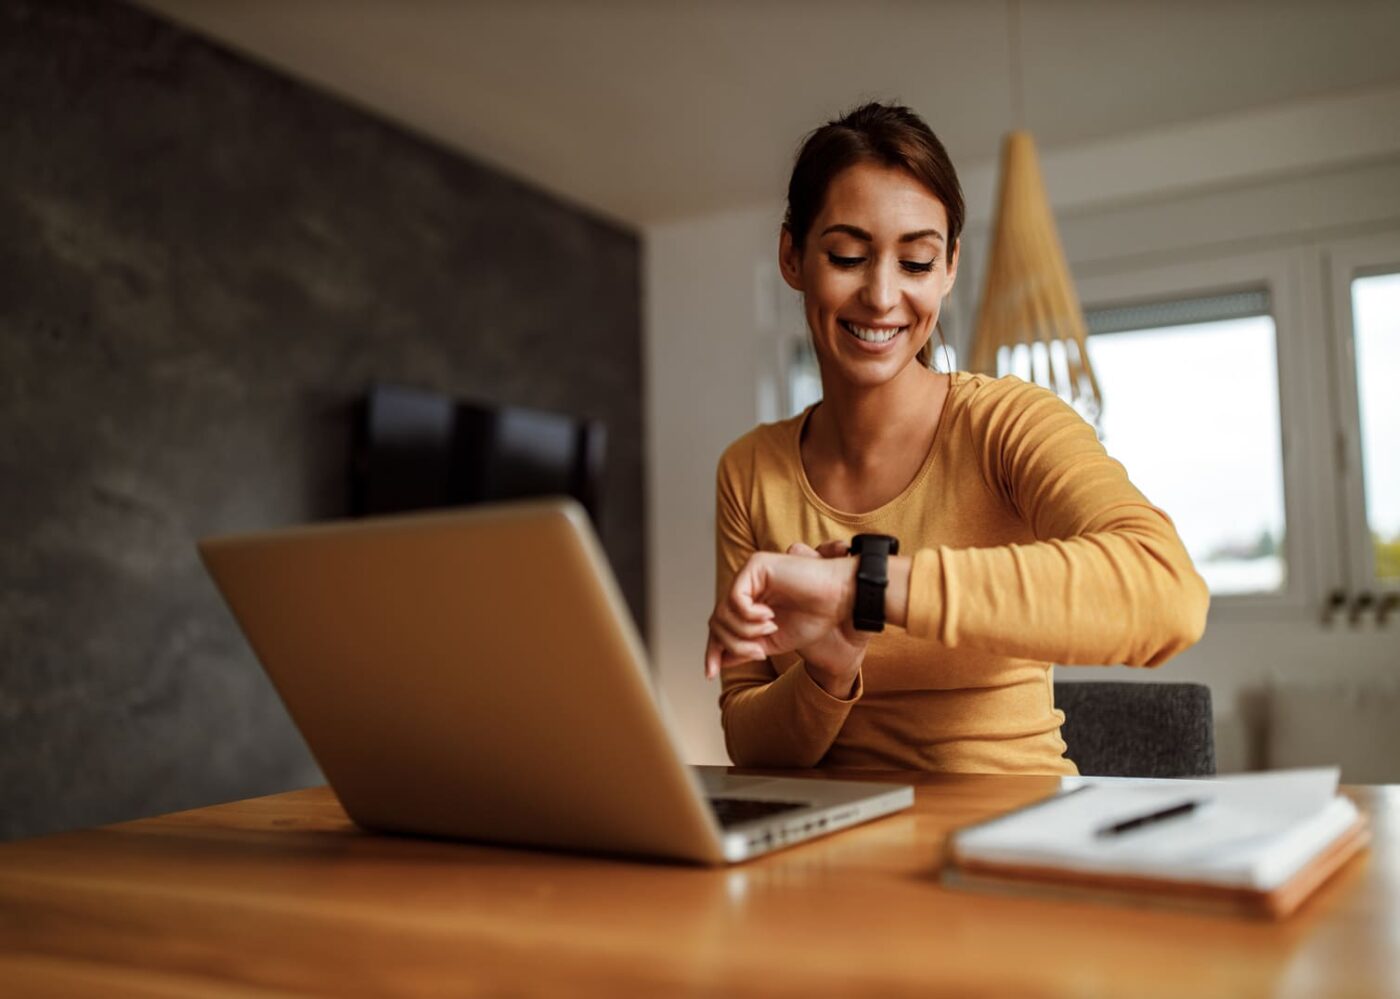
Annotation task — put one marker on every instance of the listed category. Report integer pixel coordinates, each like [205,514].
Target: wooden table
[283,894]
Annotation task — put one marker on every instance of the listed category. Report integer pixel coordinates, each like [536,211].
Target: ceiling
[649,111]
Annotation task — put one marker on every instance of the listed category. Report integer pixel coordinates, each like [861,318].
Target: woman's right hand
[800,601]
[834,660]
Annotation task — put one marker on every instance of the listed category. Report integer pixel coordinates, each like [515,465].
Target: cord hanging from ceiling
[1029,302]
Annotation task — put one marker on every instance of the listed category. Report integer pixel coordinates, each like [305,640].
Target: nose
[881,291]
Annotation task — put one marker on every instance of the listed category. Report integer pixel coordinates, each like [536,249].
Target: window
[1365,289]
[804,377]
[1191,409]
[1375,305]
[1213,376]
[1254,398]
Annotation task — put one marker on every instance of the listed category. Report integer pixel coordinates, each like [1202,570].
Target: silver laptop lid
[469,674]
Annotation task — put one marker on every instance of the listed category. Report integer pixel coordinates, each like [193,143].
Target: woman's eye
[911,266]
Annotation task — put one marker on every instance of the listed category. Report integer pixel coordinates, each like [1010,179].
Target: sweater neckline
[955,380]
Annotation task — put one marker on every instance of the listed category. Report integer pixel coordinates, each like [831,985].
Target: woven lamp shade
[1029,298]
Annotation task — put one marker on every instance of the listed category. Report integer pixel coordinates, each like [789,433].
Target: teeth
[874,336]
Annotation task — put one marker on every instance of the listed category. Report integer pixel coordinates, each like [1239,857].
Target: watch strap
[872,578]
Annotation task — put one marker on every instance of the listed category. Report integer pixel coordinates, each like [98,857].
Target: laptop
[475,674]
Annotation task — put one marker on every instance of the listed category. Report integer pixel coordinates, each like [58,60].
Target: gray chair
[1120,729]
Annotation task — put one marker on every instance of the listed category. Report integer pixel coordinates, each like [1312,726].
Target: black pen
[1127,825]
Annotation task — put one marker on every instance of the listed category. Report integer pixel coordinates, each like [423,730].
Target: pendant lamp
[1028,299]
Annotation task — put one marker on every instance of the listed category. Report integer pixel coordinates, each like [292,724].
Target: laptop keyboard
[734,811]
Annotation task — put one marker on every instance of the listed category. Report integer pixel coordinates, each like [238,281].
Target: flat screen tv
[418,450]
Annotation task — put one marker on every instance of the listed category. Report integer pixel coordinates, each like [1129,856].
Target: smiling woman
[1025,543]
[889,140]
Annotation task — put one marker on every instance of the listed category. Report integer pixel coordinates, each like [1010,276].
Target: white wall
[1283,178]
[702,354]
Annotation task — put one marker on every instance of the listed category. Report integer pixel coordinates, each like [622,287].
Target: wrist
[847,606]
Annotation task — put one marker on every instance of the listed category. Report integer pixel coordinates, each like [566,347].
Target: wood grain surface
[283,895]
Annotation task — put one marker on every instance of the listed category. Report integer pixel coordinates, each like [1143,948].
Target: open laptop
[475,674]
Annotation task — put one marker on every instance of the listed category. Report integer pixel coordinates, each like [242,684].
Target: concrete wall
[1290,180]
[201,264]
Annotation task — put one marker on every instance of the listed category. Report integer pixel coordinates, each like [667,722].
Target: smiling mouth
[872,334]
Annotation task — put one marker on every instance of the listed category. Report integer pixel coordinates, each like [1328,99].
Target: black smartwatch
[872,576]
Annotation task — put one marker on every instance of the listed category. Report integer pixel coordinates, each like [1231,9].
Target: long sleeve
[1107,579]
[770,719]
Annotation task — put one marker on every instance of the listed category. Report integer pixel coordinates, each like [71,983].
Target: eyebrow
[860,233]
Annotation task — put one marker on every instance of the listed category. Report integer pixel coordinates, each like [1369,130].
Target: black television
[416,449]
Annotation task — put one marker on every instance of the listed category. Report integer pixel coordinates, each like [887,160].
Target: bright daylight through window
[1376,318]
[1192,411]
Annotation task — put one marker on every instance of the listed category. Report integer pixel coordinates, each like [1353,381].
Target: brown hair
[890,135]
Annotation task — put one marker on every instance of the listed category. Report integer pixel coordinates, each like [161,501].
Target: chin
[870,373]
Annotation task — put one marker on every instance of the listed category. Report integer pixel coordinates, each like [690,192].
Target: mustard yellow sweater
[1030,546]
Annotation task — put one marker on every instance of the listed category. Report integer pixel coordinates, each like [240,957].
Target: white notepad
[1252,831]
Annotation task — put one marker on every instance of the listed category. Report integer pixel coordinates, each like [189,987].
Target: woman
[1023,544]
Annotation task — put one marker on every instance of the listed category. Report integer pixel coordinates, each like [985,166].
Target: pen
[1127,825]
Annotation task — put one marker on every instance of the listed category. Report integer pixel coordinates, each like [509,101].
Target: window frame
[1302,405]
[1342,261]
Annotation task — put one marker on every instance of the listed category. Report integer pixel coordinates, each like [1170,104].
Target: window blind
[1178,312]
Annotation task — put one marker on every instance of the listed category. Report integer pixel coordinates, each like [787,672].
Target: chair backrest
[1121,729]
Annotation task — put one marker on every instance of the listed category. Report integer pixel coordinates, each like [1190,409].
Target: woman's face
[874,272]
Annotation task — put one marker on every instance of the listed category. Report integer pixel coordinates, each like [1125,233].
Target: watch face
[882,543]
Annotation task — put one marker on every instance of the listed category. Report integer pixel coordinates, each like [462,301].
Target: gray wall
[201,264]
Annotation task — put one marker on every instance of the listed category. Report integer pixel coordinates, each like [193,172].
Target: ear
[953,258]
[789,259]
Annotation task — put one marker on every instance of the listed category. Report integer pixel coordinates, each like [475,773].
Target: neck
[858,423]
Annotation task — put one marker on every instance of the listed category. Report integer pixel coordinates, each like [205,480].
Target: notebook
[1252,843]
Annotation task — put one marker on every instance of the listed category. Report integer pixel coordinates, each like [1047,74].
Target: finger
[742,606]
[749,581]
[731,641]
[731,634]
[798,548]
[744,627]
[714,655]
[722,634]
[747,652]
[833,549]
[718,658]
